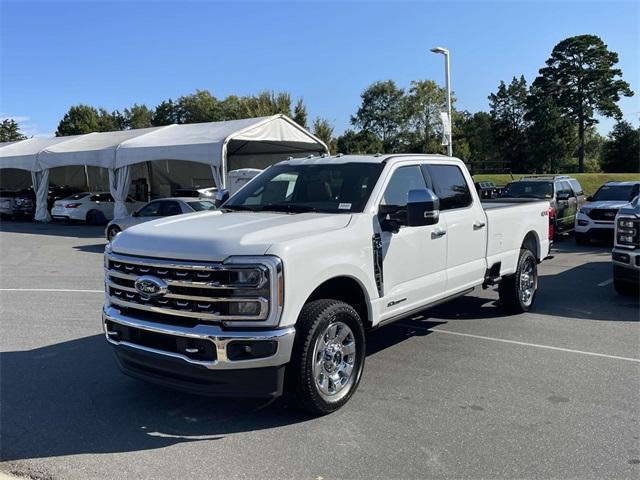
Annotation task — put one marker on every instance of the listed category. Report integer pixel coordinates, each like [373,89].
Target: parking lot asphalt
[461,391]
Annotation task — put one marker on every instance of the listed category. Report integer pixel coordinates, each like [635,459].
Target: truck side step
[492,276]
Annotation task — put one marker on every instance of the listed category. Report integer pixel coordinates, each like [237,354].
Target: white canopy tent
[222,146]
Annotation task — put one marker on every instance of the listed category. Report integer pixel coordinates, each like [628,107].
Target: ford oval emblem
[150,286]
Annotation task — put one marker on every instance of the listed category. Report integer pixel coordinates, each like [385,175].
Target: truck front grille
[602,214]
[211,292]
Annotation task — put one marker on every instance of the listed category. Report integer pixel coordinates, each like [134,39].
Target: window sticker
[344,206]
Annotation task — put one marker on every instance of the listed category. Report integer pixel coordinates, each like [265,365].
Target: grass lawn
[589,181]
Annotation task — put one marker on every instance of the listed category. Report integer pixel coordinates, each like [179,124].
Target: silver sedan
[163,207]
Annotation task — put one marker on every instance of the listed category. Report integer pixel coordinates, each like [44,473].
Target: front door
[413,259]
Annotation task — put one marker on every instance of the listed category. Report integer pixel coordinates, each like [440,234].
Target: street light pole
[447,80]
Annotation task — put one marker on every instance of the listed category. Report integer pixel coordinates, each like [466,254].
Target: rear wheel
[112,232]
[327,358]
[518,291]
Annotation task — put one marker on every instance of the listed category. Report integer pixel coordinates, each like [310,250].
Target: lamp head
[441,50]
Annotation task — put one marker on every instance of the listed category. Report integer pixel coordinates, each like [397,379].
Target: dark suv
[563,192]
[24,205]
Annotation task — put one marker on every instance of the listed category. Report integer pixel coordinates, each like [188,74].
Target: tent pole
[86,178]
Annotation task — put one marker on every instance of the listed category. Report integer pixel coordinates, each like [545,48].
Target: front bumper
[595,228]
[626,265]
[221,368]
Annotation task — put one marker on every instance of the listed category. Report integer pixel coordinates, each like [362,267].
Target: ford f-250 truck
[273,293]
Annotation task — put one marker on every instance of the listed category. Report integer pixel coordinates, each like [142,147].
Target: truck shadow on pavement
[70,398]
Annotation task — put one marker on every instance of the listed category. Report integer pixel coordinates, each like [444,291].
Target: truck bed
[488,204]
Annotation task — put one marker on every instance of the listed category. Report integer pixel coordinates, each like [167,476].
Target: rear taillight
[72,205]
[552,220]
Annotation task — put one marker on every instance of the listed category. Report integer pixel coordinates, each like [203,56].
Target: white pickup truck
[274,292]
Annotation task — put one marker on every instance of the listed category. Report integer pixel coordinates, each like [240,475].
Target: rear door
[466,229]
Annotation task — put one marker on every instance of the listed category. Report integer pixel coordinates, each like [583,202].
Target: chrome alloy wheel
[334,358]
[528,281]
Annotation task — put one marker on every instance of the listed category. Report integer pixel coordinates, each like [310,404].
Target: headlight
[625,223]
[584,211]
[627,232]
[249,277]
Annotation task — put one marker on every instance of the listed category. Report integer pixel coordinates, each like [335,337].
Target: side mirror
[221,197]
[589,198]
[423,208]
[563,196]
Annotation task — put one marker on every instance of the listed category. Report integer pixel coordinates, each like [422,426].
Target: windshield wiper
[240,208]
[288,207]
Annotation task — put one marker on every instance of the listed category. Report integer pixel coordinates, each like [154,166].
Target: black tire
[301,385]
[511,290]
[113,231]
[582,238]
[625,288]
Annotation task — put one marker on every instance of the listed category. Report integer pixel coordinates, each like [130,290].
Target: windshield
[528,190]
[327,188]
[201,205]
[615,192]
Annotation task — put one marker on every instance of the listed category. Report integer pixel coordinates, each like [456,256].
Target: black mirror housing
[221,196]
[423,208]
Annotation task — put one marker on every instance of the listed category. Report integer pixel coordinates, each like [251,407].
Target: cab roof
[377,158]
[623,184]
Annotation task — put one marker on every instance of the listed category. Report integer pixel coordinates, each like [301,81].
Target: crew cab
[626,249]
[273,292]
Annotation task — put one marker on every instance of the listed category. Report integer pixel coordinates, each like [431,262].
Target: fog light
[583,223]
[625,238]
[621,257]
[244,308]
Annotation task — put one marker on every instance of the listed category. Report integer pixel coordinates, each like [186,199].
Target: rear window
[201,205]
[577,188]
[77,196]
[528,190]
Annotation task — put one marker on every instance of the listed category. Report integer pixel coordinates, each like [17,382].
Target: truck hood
[605,204]
[213,236]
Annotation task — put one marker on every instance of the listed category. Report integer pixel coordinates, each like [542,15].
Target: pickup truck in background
[626,249]
[273,293]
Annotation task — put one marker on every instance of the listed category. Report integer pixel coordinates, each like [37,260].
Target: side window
[167,209]
[403,180]
[577,188]
[564,187]
[150,210]
[450,186]
[102,197]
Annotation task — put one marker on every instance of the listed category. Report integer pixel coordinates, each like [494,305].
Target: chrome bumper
[220,338]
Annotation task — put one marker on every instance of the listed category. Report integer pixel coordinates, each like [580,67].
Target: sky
[114,54]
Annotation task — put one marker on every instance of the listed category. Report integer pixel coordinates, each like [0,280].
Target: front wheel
[328,357]
[518,291]
[112,232]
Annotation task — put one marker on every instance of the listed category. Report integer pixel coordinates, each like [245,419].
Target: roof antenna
[378,154]
[338,155]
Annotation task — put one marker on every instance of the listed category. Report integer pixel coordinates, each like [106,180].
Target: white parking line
[515,342]
[606,282]
[49,290]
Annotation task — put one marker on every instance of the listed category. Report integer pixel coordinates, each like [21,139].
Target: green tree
[138,116]
[423,105]
[78,120]
[199,107]
[580,75]
[166,113]
[10,131]
[110,121]
[382,112]
[362,142]
[508,124]
[621,150]
[324,131]
[473,139]
[300,113]
[233,108]
[551,135]
[268,103]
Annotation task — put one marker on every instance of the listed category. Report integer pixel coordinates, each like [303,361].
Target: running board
[413,311]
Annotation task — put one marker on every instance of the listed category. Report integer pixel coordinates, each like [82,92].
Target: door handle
[438,233]
[478,225]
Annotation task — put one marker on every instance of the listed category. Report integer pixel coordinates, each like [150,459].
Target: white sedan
[163,207]
[91,207]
